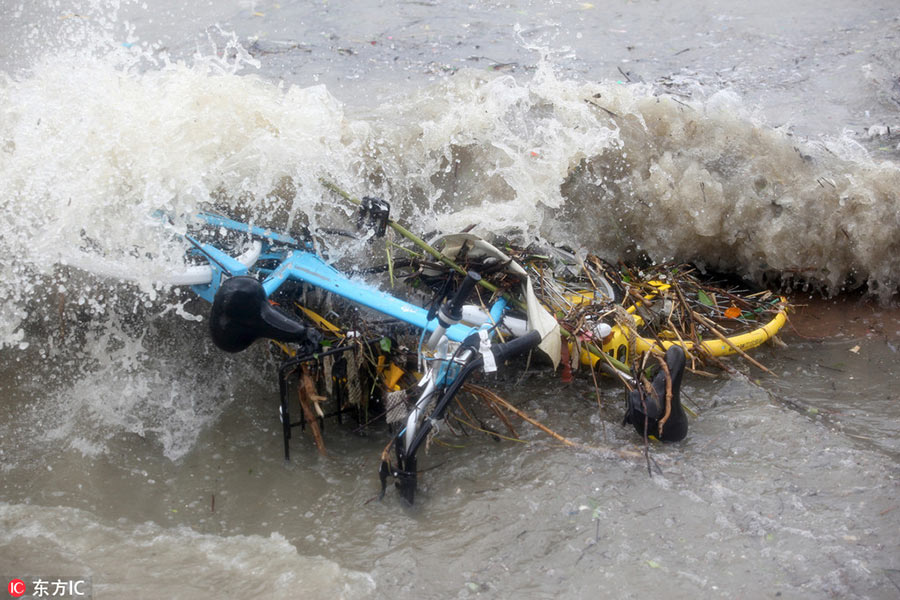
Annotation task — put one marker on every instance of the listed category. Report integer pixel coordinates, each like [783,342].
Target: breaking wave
[623,170]
[93,148]
[94,144]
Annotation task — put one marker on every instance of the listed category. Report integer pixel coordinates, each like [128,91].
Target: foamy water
[163,562]
[94,146]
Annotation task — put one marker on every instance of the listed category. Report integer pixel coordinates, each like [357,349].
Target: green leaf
[704,299]
[385,344]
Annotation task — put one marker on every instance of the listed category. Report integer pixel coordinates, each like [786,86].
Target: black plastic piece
[241,314]
[516,346]
[374,213]
[645,408]
[454,310]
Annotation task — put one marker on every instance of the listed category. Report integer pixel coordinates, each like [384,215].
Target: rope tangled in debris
[354,390]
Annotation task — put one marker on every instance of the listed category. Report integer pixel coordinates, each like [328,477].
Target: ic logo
[16,588]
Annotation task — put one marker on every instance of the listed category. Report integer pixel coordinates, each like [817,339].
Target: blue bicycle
[241,288]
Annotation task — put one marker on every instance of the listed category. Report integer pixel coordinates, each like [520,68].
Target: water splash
[623,170]
[93,144]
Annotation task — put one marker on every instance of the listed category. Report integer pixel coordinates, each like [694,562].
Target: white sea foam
[621,169]
[93,146]
[148,561]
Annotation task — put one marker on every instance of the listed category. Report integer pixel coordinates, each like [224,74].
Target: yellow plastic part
[391,376]
[320,321]
[316,318]
[617,344]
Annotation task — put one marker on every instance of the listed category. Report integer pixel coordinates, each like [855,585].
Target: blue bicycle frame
[296,264]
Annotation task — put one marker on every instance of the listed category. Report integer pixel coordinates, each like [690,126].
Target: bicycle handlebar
[516,346]
[454,310]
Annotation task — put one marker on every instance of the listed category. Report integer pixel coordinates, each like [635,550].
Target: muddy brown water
[747,138]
